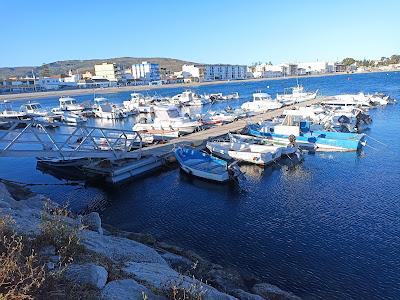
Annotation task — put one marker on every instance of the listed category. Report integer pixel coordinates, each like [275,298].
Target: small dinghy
[251,153]
[203,165]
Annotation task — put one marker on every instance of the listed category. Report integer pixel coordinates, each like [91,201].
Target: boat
[105,110]
[71,118]
[241,151]
[138,103]
[33,109]
[350,100]
[189,98]
[169,118]
[295,94]
[70,104]
[287,147]
[218,118]
[300,129]
[8,113]
[203,165]
[262,102]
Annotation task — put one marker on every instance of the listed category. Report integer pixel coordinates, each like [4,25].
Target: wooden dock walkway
[198,138]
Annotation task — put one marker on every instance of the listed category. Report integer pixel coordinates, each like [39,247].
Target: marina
[280,178]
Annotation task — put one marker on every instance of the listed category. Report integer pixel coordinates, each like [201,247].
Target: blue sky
[219,31]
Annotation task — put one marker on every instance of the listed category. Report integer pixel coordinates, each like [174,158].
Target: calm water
[328,228]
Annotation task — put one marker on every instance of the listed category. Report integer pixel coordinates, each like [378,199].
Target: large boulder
[119,249]
[272,292]
[87,274]
[127,289]
[162,278]
[92,222]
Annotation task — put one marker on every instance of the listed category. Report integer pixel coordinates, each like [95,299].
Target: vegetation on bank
[384,61]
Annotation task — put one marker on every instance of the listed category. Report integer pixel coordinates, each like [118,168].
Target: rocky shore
[106,263]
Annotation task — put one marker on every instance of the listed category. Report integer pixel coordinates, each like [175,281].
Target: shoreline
[112,90]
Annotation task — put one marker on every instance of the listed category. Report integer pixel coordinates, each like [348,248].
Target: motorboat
[350,100]
[299,128]
[169,118]
[215,118]
[203,165]
[189,98]
[138,103]
[262,102]
[295,94]
[70,104]
[8,113]
[33,109]
[247,152]
[105,110]
[71,118]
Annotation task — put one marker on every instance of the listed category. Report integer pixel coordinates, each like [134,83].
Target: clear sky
[208,31]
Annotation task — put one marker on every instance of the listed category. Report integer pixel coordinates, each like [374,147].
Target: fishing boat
[262,102]
[138,103]
[295,94]
[203,165]
[169,118]
[8,113]
[287,147]
[33,109]
[299,128]
[105,110]
[70,104]
[71,118]
[241,151]
[189,98]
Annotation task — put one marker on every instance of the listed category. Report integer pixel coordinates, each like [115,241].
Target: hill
[62,67]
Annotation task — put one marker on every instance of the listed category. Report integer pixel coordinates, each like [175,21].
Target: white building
[49,83]
[109,71]
[214,72]
[146,71]
[316,67]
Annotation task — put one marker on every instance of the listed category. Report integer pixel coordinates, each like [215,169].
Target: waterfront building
[49,83]
[109,71]
[146,71]
[203,72]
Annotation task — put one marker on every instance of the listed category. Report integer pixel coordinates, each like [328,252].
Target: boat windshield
[173,113]
[35,106]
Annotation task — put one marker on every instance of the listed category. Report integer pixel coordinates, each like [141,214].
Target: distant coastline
[111,90]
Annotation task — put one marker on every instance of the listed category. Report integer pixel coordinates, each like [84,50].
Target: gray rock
[243,295]
[178,262]
[162,277]
[90,274]
[120,249]
[126,289]
[272,292]
[92,222]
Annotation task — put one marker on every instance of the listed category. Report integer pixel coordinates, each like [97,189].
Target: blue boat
[323,140]
[203,165]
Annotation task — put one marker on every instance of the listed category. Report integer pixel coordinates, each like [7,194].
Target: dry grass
[56,231]
[21,273]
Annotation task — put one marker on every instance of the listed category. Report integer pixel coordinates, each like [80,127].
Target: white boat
[218,118]
[295,95]
[287,147]
[262,102]
[251,153]
[169,118]
[8,113]
[105,110]
[70,104]
[352,100]
[138,103]
[72,118]
[203,165]
[189,98]
[33,109]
